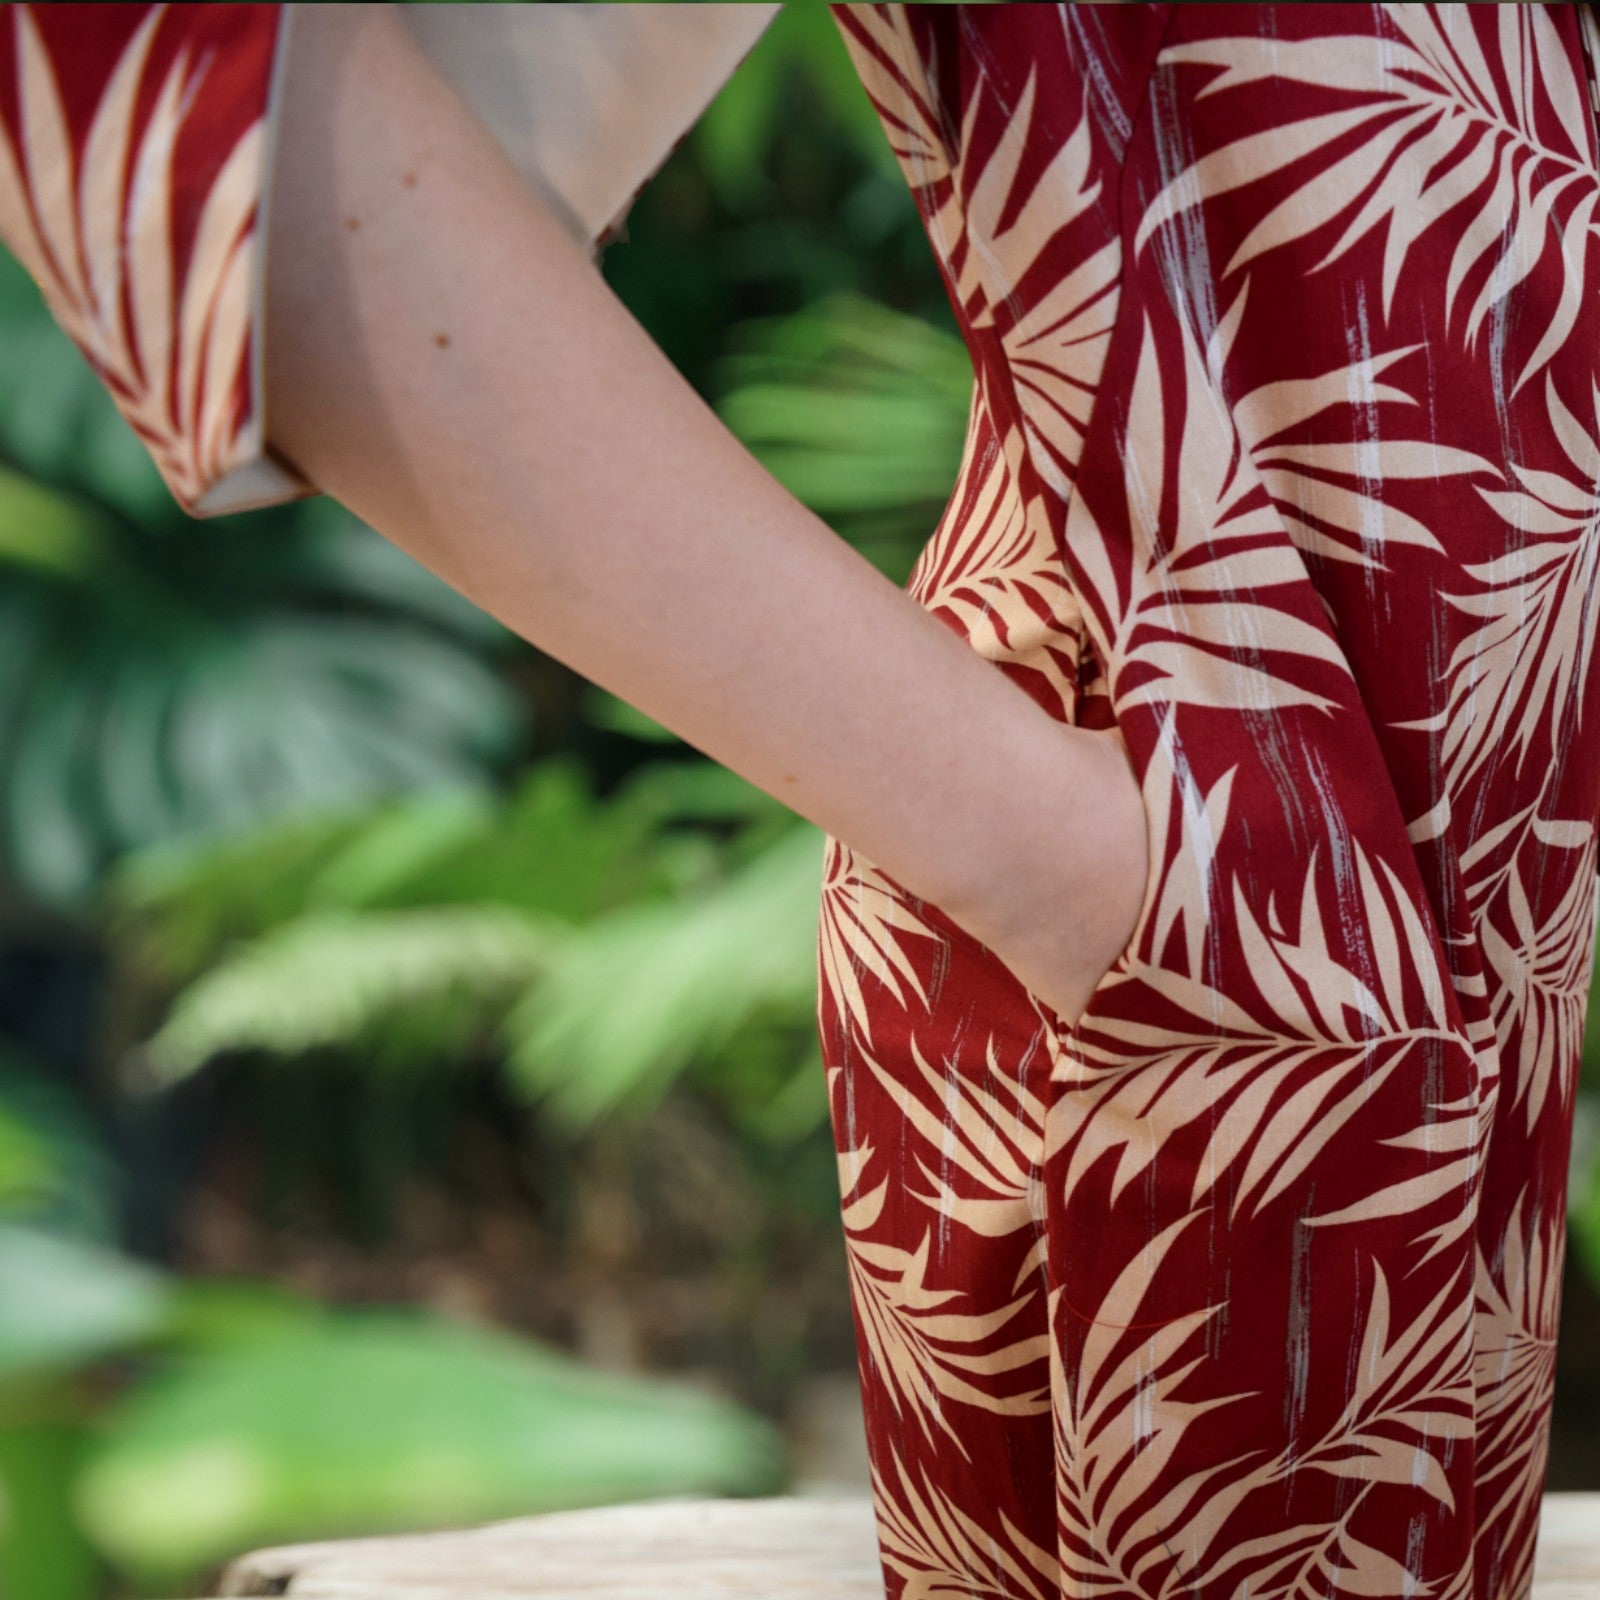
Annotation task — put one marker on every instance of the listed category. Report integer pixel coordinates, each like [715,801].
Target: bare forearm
[445,360]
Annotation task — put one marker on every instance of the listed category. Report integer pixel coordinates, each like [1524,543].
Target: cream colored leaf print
[943,1553]
[991,222]
[1119,1421]
[993,570]
[1518,1323]
[925,1351]
[992,1136]
[1353,522]
[1274,1085]
[1513,674]
[96,255]
[1432,139]
[1544,969]
[1055,341]
[1410,1400]
[1458,1130]
[1412,1395]
[1192,630]
[866,927]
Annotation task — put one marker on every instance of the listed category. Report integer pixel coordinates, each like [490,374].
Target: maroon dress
[1283,458]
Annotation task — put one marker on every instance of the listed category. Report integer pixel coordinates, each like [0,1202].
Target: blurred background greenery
[410,1105]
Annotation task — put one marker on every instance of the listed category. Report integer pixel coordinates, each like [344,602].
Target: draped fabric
[1283,457]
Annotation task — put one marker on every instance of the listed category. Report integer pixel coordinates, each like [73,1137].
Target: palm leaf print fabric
[1283,458]
[133,149]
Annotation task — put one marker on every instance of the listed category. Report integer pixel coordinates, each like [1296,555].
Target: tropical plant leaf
[636,995]
[368,1421]
[64,1301]
[855,407]
[420,981]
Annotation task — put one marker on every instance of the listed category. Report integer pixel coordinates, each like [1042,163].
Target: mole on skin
[410,180]
[442,340]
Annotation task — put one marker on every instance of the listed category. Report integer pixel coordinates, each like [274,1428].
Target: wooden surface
[777,1549]
[770,1549]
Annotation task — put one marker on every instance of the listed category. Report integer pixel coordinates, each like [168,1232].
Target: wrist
[1049,881]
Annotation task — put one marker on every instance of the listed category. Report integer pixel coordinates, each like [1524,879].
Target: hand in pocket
[1060,923]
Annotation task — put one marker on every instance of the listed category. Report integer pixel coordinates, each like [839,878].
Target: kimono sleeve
[136,147]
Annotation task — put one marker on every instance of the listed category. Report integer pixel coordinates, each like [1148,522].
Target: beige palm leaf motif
[1531,650]
[1544,971]
[926,1353]
[1181,819]
[1518,1320]
[1056,342]
[994,1136]
[1314,1038]
[1441,144]
[992,569]
[1275,1085]
[95,255]
[1413,1398]
[1118,1422]
[865,927]
[1415,1394]
[1338,522]
[989,235]
[1191,630]
[943,1553]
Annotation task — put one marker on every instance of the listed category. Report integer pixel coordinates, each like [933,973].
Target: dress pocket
[1155,788]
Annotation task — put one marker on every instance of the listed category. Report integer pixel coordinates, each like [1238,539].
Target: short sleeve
[136,147]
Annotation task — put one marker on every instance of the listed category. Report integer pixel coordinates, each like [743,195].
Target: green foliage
[258,1416]
[64,1301]
[639,996]
[53,1171]
[399,983]
[44,1552]
[860,410]
[548,848]
[374,1421]
[161,676]
[610,945]
[28,1170]
[1583,1185]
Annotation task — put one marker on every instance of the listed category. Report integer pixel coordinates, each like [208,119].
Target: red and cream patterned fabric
[135,163]
[133,152]
[1284,458]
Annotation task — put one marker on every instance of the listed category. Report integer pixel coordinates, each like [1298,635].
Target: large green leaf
[43,1553]
[371,1421]
[633,998]
[859,410]
[64,1301]
[420,980]
[552,848]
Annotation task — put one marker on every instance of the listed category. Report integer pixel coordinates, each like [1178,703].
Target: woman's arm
[444,359]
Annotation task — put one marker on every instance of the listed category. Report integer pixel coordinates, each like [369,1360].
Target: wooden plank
[784,1548]
[1566,1563]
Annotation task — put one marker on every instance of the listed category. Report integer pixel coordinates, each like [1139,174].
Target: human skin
[443,358]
